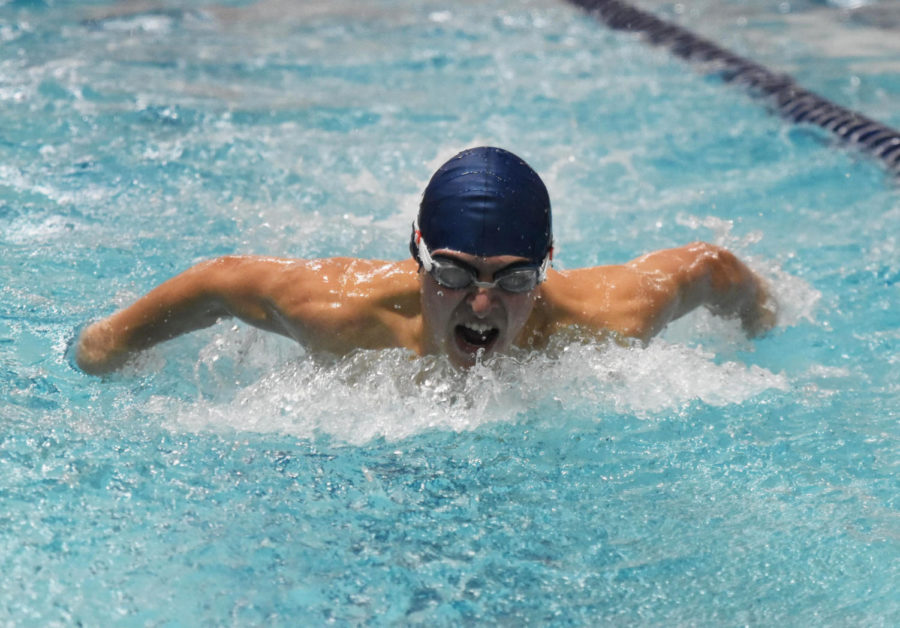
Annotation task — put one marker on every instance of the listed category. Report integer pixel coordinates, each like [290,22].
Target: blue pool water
[227,478]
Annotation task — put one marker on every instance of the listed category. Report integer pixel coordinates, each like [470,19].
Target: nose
[481,302]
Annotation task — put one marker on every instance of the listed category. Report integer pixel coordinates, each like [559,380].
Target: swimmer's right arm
[245,287]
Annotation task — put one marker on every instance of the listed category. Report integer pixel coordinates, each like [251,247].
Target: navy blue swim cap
[486,201]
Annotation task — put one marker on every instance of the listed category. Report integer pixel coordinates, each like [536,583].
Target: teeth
[479,327]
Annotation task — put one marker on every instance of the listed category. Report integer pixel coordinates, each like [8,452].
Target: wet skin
[339,305]
[471,321]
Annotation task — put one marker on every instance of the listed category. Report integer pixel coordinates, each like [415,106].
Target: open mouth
[474,336]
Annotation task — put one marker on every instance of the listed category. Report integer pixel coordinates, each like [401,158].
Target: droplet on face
[440,293]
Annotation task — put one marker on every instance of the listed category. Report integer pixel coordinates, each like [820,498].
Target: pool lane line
[791,101]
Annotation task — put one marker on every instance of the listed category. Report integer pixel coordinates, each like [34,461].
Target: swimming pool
[228,478]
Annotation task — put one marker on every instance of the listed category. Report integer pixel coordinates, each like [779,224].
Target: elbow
[707,253]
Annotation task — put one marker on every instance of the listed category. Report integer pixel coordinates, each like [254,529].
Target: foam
[393,395]
[25,231]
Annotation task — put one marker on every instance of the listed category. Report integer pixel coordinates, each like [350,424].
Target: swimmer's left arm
[638,299]
[676,281]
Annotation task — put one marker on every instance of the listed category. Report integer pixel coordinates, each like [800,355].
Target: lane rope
[784,95]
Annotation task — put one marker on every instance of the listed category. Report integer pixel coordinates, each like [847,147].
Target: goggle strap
[424,255]
[545,265]
[428,263]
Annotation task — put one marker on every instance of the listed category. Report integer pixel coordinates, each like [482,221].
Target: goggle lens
[519,280]
[451,276]
[456,277]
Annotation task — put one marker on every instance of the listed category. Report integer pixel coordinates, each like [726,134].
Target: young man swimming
[479,283]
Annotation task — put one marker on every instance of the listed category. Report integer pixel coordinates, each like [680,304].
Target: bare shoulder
[339,303]
[611,298]
[335,278]
[347,281]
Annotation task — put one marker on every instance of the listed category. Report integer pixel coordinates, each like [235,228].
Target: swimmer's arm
[245,287]
[668,284]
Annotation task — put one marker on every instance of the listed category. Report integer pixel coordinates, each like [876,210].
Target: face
[463,323]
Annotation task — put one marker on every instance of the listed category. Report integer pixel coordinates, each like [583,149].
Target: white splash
[394,395]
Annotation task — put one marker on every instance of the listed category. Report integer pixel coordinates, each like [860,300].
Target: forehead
[494,262]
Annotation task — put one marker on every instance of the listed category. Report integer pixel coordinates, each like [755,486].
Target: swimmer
[479,282]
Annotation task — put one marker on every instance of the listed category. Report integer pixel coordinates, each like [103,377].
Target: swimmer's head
[487,202]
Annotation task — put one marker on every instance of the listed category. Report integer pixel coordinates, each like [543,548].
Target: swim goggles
[456,275]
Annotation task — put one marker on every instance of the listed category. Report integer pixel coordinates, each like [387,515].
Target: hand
[96,352]
[762,314]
